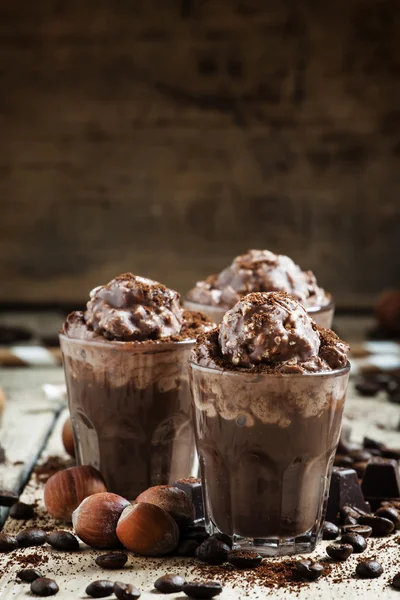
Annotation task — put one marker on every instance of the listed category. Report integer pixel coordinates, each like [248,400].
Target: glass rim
[324,374]
[138,346]
[318,308]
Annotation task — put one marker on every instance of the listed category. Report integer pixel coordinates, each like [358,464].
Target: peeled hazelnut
[95,520]
[173,500]
[68,438]
[148,530]
[65,490]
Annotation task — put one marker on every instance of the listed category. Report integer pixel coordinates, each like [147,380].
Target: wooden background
[165,137]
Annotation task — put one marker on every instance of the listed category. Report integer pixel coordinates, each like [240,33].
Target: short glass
[266,446]
[131,413]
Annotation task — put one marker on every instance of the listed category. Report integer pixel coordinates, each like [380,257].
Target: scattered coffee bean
[339,551]
[202,589]
[196,532]
[330,531]
[360,455]
[8,542]
[371,444]
[342,460]
[22,511]
[356,541]
[396,581]
[394,503]
[380,526]
[350,521]
[364,530]
[187,548]
[28,575]
[100,589]
[8,498]
[125,591]
[391,453]
[222,537]
[63,540]
[391,513]
[368,387]
[360,468]
[170,584]
[44,587]
[213,552]
[244,559]
[31,537]
[369,569]
[113,560]
[309,570]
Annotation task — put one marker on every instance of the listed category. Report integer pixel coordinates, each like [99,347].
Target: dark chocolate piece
[344,490]
[381,481]
[192,487]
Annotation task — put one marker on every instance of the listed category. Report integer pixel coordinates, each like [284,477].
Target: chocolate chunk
[380,526]
[369,569]
[43,586]
[381,481]
[202,589]
[31,537]
[100,589]
[22,511]
[391,513]
[213,552]
[344,490]
[339,551]
[364,530]
[367,387]
[28,575]
[170,584]
[126,591]
[8,498]
[193,488]
[244,559]
[8,542]
[186,548]
[308,569]
[112,560]
[330,531]
[356,541]
[396,581]
[222,537]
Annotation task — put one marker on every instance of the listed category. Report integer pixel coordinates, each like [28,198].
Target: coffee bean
[360,455]
[31,537]
[8,498]
[391,513]
[348,511]
[187,548]
[371,444]
[44,587]
[213,552]
[222,537]
[396,581]
[22,511]
[330,531]
[63,540]
[343,461]
[170,584]
[202,589]
[369,569]
[356,541]
[391,453]
[28,575]
[244,559]
[367,387]
[100,589]
[113,560]
[339,551]
[394,503]
[364,530]
[7,542]
[195,532]
[350,521]
[380,526]
[309,570]
[126,591]
[360,468]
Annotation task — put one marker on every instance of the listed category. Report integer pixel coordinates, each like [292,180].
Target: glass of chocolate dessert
[125,361]
[268,389]
[260,271]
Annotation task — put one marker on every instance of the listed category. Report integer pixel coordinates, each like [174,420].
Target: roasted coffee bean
[63,540]
[170,584]
[202,589]
[371,444]
[360,455]
[330,531]
[380,526]
[367,387]
[369,569]
[396,581]
[31,537]
[356,541]
[244,559]
[28,575]
[100,589]
[22,511]
[7,542]
[391,453]
[350,521]
[364,530]
[8,498]
[339,551]
[309,569]
[394,503]
[187,548]
[195,532]
[43,586]
[213,552]
[360,469]
[126,591]
[342,460]
[113,560]
[391,513]
[348,511]
[222,537]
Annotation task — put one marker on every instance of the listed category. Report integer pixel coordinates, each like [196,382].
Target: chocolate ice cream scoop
[268,327]
[134,308]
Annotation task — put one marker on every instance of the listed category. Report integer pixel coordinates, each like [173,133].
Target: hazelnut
[65,490]
[147,529]
[68,438]
[173,500]
[95,520]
